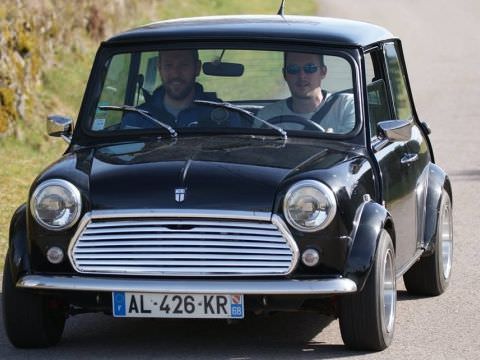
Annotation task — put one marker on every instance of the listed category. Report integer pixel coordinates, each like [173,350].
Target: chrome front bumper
[178,286]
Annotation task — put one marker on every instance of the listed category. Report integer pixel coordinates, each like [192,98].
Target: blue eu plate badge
[119,308]
[236,306]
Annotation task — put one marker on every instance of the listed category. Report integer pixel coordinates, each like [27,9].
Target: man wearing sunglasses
[304,73]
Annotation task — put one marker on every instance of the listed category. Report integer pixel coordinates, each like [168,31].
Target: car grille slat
[174,271]
[129,224]
[182,236]
[182,247]
[241,257]
[179,250]
[160,229]
[250,244]
[183,263]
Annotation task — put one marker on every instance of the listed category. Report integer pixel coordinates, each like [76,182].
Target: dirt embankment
[31,34]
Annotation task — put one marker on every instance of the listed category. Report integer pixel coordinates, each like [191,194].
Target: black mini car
[227,166]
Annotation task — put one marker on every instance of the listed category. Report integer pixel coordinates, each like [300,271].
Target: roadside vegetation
[46,51]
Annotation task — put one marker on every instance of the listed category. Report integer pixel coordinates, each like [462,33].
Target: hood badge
[180,194]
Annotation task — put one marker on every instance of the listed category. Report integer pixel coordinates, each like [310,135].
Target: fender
[437,181]
[371,218]
[17,254]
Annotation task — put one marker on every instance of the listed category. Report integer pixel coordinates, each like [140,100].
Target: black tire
[430,276]
[367,318]
[29,320]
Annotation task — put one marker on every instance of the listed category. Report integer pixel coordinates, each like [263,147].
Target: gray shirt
[340,118]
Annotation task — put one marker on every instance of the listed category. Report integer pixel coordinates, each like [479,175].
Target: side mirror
[396,130]
[60,126]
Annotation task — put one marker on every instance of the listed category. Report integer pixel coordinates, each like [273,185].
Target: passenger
[304,73]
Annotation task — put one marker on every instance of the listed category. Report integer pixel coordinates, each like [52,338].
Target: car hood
[228,173]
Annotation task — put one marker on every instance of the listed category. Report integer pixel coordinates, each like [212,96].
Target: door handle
[409,158]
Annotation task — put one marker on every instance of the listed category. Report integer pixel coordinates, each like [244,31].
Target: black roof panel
[259,27]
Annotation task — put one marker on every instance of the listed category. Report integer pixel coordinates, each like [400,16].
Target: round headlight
[309,205]
[56,204]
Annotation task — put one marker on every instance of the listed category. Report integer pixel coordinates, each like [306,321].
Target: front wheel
[430,276]
[31,320]
[367,318]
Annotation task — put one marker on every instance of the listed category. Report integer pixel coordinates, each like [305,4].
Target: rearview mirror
[218,68]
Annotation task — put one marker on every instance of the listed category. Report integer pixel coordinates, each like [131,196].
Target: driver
[304,73]
[173,102]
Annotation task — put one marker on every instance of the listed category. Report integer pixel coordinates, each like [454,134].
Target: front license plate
[129,304]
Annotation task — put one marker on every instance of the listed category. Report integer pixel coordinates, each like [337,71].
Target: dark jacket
[190,116]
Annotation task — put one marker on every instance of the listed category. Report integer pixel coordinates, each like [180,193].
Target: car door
[388,100]
[418,157]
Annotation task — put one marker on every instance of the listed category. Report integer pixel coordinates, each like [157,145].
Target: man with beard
[173,102]
[303,72]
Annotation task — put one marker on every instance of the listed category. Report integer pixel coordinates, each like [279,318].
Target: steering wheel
[293,119]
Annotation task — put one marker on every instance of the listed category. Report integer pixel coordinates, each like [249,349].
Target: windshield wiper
[229,106]
[144,113]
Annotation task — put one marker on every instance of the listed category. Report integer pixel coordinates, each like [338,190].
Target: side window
[369,69]
[398,83]
[378,109]
[113,93]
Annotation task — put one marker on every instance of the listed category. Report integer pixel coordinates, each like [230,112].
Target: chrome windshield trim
[179,286]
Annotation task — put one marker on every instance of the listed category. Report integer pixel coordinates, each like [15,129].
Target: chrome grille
[179,246]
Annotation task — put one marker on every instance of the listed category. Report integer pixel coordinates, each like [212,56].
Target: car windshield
[227,90]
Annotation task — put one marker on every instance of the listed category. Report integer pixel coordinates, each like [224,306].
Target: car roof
[327,31]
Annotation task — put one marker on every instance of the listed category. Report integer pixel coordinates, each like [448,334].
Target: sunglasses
[294,69]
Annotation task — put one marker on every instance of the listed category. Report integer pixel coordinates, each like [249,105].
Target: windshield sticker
[98,124]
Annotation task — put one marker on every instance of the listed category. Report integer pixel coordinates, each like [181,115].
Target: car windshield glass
[294,92]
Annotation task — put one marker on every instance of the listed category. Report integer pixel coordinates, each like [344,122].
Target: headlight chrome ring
[56,204]
[309,205]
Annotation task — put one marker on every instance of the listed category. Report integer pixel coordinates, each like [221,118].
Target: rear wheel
[31,320]
[431,275]
[367,318]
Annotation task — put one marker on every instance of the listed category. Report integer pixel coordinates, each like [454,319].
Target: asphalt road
[441,43]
